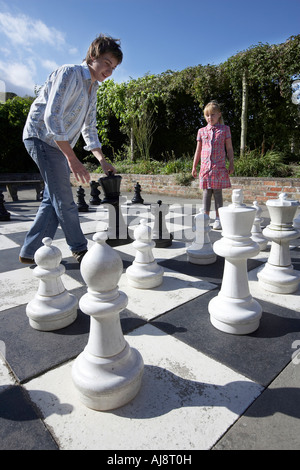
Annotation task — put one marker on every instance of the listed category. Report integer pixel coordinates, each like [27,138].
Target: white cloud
[73,50]
[49,65]
[25,31]
[17,75]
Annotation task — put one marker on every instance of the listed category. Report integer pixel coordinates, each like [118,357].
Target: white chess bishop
[144,273]
[108,373]
[53,307]
[234,310]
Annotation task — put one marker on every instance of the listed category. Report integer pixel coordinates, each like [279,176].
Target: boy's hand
[107,167]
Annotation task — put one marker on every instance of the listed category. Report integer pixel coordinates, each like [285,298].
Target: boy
[64,108]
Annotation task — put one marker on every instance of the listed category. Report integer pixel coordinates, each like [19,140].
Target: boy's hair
[103,44]
[214,105]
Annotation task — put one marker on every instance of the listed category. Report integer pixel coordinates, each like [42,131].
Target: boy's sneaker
[26,260]
[217,225]
[78,255]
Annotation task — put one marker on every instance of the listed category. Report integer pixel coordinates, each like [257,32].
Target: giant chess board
[201,389]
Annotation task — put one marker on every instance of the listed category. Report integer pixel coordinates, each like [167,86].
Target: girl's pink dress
[213,172]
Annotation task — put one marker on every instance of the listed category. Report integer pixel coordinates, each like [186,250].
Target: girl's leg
[218,196]
[207,193]
[58,206]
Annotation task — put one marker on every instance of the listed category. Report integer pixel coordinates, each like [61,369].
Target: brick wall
[259,189]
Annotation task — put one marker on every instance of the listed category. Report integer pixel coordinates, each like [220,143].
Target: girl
[212,141]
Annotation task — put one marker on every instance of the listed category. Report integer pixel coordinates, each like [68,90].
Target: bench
[14,181]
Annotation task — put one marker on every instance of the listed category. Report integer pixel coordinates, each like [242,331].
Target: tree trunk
[131,144]
[244,113]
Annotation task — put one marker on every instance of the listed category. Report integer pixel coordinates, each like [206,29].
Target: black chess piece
[111,188]
[4,214]
[117,230]
[81,204]
[137,198]
[95,199]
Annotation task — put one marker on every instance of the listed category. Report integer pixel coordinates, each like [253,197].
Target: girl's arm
[196,158]
[229,150]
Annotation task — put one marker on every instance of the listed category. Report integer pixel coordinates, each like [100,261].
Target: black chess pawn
[95,199]
[4,214]
[137,198]
[81,204]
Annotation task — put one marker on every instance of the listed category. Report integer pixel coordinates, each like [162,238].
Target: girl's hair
[103,44]
[214,106]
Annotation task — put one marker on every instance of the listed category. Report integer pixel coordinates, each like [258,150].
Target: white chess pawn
[201,250]
[108,373]
[144,273]
[52,307]
[234,310]
[256,231]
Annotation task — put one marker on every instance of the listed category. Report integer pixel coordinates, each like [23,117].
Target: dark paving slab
[273,421]
[20,425]
[30,352]
[260,356]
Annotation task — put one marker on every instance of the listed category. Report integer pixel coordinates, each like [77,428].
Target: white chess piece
[108,373]
[53,307]
[278,274]
[234,310]
[201,250]
[256,231]
[144,273]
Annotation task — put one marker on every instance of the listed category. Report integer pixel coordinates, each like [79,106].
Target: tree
[13,155]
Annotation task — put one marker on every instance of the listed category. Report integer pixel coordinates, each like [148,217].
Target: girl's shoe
[217,225]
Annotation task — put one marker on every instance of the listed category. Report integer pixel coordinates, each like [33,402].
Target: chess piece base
[106,383]
[279,279]
[52,313]
[235,316]
[201,256]
[145,275]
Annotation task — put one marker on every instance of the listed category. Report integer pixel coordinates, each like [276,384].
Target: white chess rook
[234,310]
[201,250]
[53,307]
[278,274]
[108,373]
[144,273]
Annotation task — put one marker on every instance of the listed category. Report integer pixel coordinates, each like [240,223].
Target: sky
[37,36]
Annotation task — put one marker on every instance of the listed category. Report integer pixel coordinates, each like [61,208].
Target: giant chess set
[164,337]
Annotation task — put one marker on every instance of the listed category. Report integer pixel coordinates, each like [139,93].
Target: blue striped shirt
[64,108]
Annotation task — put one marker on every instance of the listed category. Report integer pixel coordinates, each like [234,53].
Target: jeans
[58,206]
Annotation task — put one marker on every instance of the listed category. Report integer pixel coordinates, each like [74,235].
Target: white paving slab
[6,243]
[176,289]
[290,301]
[182,405]
[18,287]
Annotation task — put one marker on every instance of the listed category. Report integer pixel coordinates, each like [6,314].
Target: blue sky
[36,36]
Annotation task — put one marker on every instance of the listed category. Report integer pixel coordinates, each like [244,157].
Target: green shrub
[254,164]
